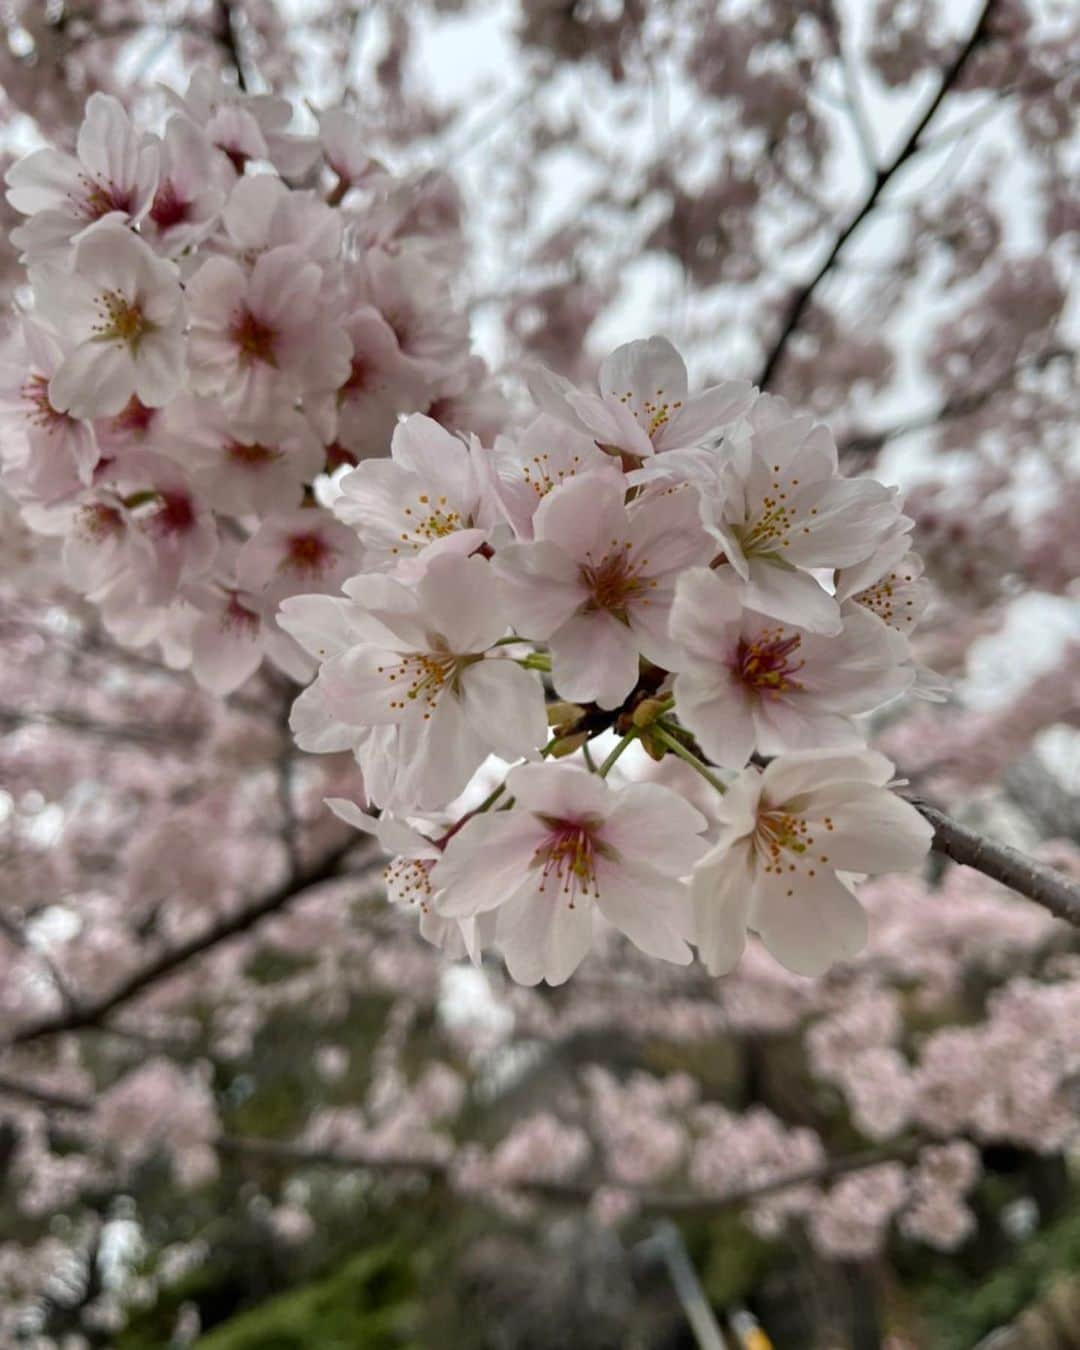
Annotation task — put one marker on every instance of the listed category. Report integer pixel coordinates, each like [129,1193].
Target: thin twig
[953,408]
[649,1200]
[230,42]
[232,925]
[46,1097]
[856,107]
[799,302]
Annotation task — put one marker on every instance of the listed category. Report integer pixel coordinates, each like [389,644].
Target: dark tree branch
[954,407]
[230,42]
[232,925]
[649,1199]
[46,1097]
[799,302]
[1000,862]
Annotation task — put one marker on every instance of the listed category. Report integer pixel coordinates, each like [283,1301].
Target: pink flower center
[337,455]
[174,513]
[614,583]
[98,520]
[169,208]
[567,857]
[254,338]
[767,662]
[134,419]
[41,412]
[121,320]
[307,552]
[237,618]
[252,456]
[362,376]
[101,198]
[783,841]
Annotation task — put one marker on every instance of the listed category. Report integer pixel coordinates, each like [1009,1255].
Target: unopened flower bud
[559,714]
[648,710]
[568,744]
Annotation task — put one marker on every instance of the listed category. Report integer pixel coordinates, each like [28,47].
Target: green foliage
[734,1260]
[961,1308]
[369,1304]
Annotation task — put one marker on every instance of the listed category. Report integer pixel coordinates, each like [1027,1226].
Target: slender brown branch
[230,42]
[649,1200]
[182,739]
[232,925]
[799,302]
[46,1097]
[1000,862]
[957,406]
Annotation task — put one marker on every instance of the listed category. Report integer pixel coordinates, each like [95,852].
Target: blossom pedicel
[250,409]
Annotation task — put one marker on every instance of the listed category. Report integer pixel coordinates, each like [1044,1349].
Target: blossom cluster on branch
[208,352]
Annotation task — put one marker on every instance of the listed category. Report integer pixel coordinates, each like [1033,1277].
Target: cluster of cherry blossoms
[245,401]
[687,572]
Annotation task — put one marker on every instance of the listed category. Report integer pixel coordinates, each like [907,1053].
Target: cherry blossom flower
[121,308]
[297,551]
[246,127]
[113,174]
[598,580]
[190,194]
[234,630]
[262,213]
[427,493]
[421,661]
[569,845]
[260,340]
[381,383]
[781,513]
[547,453]
[408,879]
[246,467]
[148,501]
[47,454]
[788,838]
[748,683]
[342,134]
[413,298]
[643,406]
[890,584]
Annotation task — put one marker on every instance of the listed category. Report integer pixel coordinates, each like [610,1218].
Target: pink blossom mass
[538,710]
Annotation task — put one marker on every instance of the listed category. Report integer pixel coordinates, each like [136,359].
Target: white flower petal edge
[572,846]
[785,836]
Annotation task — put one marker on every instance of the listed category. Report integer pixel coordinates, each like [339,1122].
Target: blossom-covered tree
[631,675]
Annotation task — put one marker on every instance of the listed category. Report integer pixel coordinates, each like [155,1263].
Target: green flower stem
[609,763]
[535,661]
[663,734]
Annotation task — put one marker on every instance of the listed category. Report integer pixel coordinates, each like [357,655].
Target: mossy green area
[959,1307]
[369,1304]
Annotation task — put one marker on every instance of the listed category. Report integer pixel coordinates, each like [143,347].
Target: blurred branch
[856,107]
[953,408]
[183,739]
[230,41]
[15,935]
[1047,887]
[800,301]
[46,1097]
[650,1200]
[232,925]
